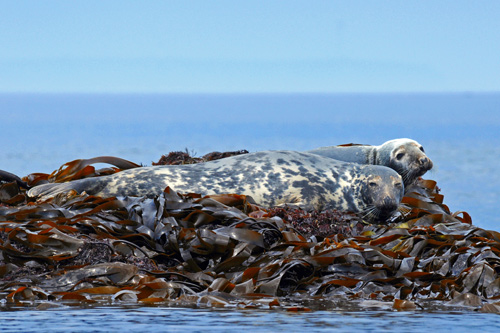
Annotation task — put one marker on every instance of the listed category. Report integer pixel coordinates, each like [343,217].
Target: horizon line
[243,93]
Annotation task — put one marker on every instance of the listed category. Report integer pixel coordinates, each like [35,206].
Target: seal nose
[425,162]
[389,205]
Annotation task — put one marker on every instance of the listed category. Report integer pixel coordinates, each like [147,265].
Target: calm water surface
[459,132]
[196,320]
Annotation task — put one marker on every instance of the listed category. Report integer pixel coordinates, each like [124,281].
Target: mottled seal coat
[270,178]
[406,156]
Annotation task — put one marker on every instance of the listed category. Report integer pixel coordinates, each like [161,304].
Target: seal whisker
[409,176]
[403,210]
[406,175]
[369,213]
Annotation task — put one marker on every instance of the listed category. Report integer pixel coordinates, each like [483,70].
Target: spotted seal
[270,178]
[406,156]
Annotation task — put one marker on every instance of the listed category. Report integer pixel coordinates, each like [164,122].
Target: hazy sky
[249,46]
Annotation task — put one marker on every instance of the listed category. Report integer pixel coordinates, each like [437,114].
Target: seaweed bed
[226,251]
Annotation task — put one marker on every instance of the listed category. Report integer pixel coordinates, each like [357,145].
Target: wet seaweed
[184,157]
[226,251]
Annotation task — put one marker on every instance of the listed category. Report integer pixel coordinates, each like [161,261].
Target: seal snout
[425,163]
[385,208]
[388,206]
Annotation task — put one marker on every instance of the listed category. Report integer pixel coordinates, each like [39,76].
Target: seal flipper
[45,191]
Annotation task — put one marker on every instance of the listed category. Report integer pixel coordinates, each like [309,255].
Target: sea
[459,131]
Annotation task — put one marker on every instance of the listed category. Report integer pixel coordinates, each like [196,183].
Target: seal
[271,178]
[406,156]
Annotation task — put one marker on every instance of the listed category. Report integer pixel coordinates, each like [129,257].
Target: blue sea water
[460,132]
[165,319]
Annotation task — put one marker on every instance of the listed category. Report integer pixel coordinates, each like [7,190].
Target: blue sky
[249,46]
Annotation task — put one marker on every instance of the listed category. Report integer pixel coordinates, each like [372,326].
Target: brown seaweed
[9,177]
[184,157]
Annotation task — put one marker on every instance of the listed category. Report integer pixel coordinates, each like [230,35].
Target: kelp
[9,177]
[226,251]
[78,169]
[184,157]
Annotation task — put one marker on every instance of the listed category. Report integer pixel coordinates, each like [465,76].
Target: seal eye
[400,156]
[399,185]
[372,184]
[422,149]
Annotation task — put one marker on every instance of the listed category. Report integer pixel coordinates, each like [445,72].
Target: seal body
[270,178]
[405,156]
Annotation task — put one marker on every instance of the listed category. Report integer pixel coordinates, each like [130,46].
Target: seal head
[406,156]
[382,193]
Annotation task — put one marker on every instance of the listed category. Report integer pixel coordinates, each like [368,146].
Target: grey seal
[406,156]
[271,178]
